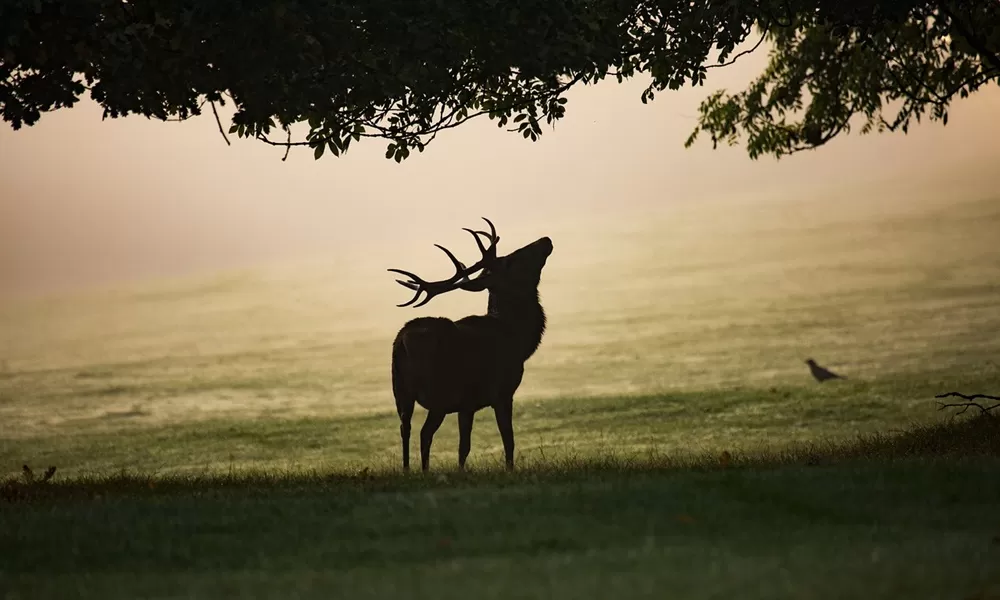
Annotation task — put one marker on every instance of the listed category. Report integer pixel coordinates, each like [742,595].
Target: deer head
[513,275]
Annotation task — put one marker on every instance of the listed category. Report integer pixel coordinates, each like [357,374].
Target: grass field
[234,435]
[910,516]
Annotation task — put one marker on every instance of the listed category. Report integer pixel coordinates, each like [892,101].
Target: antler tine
[475,236]
[413,278]
[410,301]
[415,285]
[493,230]
[493,240]
[491,236]
[459,267]
[419,285]
[462,273]
[425,300]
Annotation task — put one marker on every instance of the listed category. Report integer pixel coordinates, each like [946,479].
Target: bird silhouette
[820,373]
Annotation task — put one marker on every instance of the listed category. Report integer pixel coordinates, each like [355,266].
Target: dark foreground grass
[910,515]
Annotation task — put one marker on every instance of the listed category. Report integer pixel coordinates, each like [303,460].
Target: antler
[462,273]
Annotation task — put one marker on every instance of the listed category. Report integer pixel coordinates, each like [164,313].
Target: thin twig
[965,397]
[270,142]
[219,123]
[733,60]
[969,402]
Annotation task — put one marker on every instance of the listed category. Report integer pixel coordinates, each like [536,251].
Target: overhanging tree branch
[405,70]
[903,56]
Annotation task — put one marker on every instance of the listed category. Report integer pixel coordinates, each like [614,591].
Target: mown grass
[740,418]
[886,516]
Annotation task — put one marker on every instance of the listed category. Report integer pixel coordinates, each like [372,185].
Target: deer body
[463,366]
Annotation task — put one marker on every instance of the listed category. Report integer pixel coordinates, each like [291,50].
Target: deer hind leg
[404,409]
[504,411]
[402,391]
[404,436]
[465,420]
[431,424]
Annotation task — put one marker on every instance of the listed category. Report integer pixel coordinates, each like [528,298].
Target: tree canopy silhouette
[405,70]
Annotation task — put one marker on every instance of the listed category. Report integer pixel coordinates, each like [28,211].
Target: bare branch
[969,402]
[260,137]
[219,123]
[763,36]
[964,397]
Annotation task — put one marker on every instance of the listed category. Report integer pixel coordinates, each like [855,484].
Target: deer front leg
[504,412]
[431,424]
[465,420]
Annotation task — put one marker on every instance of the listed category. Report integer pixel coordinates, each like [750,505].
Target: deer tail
[404,393]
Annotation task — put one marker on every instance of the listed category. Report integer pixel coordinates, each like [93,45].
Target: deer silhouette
[466,365]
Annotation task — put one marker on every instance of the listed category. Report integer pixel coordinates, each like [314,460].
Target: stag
[466,365]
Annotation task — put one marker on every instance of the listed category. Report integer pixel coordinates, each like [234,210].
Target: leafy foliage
[404,70]
[891,63]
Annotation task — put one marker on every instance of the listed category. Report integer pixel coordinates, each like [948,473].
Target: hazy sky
[84,201]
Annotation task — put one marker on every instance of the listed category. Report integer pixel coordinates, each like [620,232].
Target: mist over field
[718,296]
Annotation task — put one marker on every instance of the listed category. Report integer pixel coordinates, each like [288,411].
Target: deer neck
[522,316]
